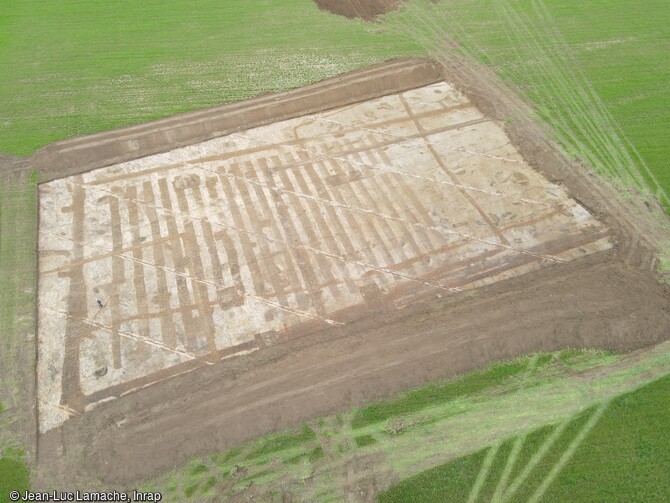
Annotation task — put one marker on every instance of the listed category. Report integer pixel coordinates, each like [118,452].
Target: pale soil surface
[223,247]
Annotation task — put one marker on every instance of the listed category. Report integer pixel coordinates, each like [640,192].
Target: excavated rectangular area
[226,246]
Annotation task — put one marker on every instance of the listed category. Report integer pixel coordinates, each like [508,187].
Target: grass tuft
[283,441]
[14,474]
[365,440]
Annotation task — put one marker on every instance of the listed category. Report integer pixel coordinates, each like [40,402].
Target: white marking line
[192,278]
[395,171]
[129,335]
[389,217]
[270,239]
[439,144]
[440,229]
[70,412]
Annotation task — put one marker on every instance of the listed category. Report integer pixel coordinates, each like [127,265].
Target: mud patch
[364,9]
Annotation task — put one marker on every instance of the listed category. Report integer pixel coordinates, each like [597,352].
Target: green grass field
[17,299]
[617,451]
[72,67]
[518,373]
[14,475]
[601,85]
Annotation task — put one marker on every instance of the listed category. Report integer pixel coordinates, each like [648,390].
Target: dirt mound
[364,9]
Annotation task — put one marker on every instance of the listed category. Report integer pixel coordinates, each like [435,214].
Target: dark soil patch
[364,9]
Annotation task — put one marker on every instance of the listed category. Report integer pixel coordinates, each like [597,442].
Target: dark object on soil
[101,371]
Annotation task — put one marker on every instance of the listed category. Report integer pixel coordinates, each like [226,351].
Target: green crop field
[17,299]
[18,223]
[616,451]
[596,71]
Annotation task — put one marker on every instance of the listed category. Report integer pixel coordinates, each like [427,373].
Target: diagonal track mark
[501,486]
[483,473]
[569,452]
[390,217]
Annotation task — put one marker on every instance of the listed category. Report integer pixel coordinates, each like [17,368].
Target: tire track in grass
[570,96]
[577,84]
[553,87]
[501,486]
[625,144]
[483,473]
[534,461]
[569,452]
[433,45]
[560,95]
[579,117]
[618,145]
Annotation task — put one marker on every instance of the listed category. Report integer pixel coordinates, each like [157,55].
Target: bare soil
[585,304]
[322,220]
[364,9]
[610,300]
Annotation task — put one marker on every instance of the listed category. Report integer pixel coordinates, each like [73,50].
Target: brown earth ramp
[610,300]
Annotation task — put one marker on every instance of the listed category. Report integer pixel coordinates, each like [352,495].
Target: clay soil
[609,300]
